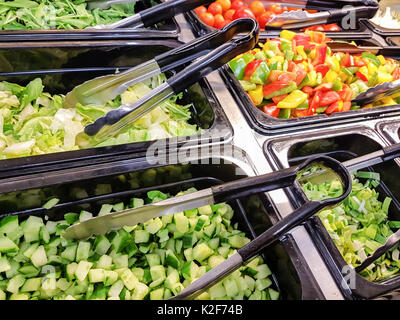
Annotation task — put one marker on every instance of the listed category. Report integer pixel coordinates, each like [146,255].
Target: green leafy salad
[58,14]
[33,122]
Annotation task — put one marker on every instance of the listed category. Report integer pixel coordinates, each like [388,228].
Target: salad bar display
[199,149]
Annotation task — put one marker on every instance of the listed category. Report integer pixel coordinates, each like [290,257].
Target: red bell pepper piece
[250,68]
[281,76]
[324,87]
[308,90]
[272,87]
[320,55]
[346,60]
[277,99]
[334,107]
[315,101]
[300,75]
[318,37]
[329,98]
[346,106]
[396,73]
[323,68]
[361,76]
[346,93]
[291,66]
[271,110]
[301,113]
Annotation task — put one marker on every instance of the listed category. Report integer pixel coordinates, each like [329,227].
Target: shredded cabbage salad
[360,224]
[33,122]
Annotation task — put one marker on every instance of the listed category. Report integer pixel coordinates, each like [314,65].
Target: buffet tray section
[262,143]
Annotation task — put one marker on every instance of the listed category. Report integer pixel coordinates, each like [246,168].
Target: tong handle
[201,46]
[190,75]
[391,152]
[217,58]
[359,12]
[169,9]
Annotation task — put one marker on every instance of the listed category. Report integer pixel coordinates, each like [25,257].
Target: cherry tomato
[208,19]
[334,107]
[225,4]
[215,8]
[243,13]
[257,8]
[219,21]
[264,18]
[237,4]
[308,90]
[275,8]
[200,10]
[229,14]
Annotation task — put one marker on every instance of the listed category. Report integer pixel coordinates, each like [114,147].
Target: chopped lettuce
[359,225]
[33,122]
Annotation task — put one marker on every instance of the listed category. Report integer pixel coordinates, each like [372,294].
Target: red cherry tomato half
[329,97]
[243,13]
[215,8]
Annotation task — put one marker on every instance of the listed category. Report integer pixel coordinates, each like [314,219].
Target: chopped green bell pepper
[261,74]
[289,88]
[373,58]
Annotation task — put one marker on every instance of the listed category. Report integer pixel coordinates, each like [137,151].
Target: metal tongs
[150,16]
[217,48]
[240,189]
[300,19]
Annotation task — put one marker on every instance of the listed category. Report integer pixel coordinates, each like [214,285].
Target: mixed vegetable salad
[33,122]
[58,14]
[298,75]
[222,12]
[360,224]
[151,261]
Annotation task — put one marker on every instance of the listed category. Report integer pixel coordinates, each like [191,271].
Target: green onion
[368,175]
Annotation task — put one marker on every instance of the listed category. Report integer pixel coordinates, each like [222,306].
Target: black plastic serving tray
[166,29]
[360,32]
[344,148]
[265,124]
[63,65]
[135,178]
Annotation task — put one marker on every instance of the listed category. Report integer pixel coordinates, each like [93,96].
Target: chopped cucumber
[155,260]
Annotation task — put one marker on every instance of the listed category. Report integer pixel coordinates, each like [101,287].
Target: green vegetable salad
[360,224]
[58,14]
[33,122]
[154,260]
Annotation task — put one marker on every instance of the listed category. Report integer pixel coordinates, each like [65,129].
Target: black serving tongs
[217,48]
[160,12]
[300,19]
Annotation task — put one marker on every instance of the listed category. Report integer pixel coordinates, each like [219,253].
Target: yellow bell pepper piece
[364,71]
[384,77]
[381,59]
[395,95]
[371,68]
[301,52]
[293,100]
[256,95]
[280,59]
[388,101]
[287,34]
[330,76]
